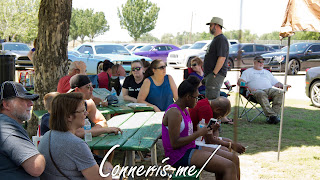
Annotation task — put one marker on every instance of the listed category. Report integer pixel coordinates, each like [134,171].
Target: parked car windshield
[299,48]
[129,47]
[185,47]
[146,48]
[234,48]
[197,45]
[111,49]
[16,47]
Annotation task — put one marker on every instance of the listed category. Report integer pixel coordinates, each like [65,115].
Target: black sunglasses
[194,64]
[260,61]
[161,67]
[136,69]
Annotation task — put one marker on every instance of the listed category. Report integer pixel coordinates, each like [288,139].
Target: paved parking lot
[297,91]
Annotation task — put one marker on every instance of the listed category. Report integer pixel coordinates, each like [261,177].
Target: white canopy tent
[300,15]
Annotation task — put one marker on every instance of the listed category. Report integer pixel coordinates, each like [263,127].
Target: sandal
[230,121]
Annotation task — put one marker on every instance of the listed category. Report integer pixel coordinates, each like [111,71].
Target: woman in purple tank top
[178,137]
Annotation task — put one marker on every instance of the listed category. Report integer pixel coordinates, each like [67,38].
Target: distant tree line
[246,37]
[19,22]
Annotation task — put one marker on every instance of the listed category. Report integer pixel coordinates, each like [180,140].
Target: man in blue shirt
[19,158]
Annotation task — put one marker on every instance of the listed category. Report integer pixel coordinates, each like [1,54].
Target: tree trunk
[50,58]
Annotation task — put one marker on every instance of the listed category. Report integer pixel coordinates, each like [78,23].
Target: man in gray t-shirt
[19,158]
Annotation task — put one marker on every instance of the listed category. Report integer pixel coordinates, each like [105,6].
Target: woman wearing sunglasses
[133,83]
[158,89]
[196,65]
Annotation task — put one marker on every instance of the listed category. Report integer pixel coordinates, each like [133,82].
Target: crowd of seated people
[178,137]
[147,83]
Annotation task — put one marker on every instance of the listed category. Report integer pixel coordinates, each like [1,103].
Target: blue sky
[259,16]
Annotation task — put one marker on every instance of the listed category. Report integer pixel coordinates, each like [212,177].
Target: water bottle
[113,92]
[202,124]
[87,128]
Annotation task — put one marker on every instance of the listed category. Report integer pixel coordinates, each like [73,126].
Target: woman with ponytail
[178,137]
[158,89]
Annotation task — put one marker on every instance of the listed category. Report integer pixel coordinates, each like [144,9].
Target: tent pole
[284,97]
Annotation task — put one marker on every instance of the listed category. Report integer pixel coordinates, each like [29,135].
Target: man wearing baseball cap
[19,158]
[260,82]
[81,83]
[215,61]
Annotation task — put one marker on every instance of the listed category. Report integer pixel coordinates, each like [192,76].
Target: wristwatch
[214,73]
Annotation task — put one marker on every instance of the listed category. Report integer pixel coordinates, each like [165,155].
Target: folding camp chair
[245,95]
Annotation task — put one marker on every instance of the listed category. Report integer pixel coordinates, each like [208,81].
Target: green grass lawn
[300,145]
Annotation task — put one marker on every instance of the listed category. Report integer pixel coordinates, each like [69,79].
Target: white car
[93,54]
[182,58]
[136,46]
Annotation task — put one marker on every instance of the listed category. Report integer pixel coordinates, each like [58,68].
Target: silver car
[20,50]
[313,85]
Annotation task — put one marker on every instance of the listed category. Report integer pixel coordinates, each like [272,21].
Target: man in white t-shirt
[260,82]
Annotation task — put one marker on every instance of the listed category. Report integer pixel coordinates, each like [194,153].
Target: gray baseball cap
[10,89]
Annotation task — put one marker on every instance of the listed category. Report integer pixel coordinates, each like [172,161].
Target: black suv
[242,55]
[301,57]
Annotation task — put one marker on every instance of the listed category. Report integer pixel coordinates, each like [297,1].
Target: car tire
[293,67]
[230,64]
[315,93]
[100,67]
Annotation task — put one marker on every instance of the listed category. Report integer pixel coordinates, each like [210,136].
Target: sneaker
[270,120]
[276,120]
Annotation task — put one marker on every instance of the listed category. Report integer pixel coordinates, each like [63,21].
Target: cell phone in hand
[212,121]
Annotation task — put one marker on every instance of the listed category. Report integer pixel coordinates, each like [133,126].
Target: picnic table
[108,111]
[140,132]
[121,107]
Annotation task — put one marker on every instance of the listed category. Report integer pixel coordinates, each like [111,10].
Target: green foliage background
[19,22]
[87,23]
[138,17]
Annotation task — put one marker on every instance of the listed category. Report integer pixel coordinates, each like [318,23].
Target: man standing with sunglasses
[215,64]
[260,82]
